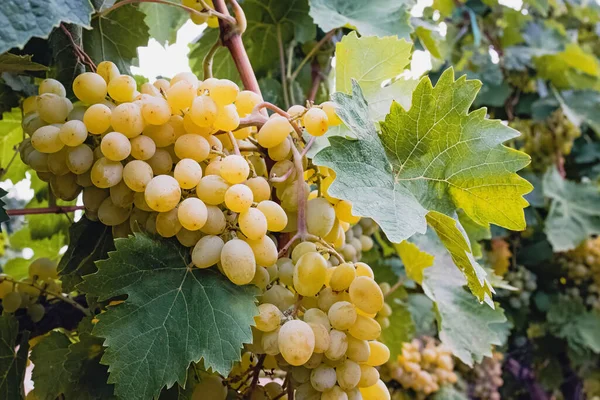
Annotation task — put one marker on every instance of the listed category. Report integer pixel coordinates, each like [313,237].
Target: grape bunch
[525,282]
[545,140]
[42,280]
[582,267]
[424,366]
[203,162]
[485,378]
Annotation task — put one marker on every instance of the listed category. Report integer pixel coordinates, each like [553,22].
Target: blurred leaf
[11,135]
[49,376]
[414,260]
[14,63]
[12,361]
[223,65]
[402,327]
[163,21]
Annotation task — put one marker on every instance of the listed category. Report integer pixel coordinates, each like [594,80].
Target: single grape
[97,118]
[365,328]
[106,173]
[238,262]
[192,146]
[234,169]
[215,223]
[366,294]
[110,214]
[11,302]
[180,96]
[227,118]
[121,195]
[192,213]
[162,193]
[320,216]
[379,354]
[127,119]
[309,274]
[52,86]
[137,174]
[342,315]
[47,139]
[161,162]
[107,70]
[142,147]
[90,88]
[260,188]
[296,342]
[269,317]
[79,159]
[315,121]
[252,223]
[36,312]
[274,131]
[73,133]
[115,146]
[238,198]
[167,223]
[43,268]
[245,102]
[156,111]
[188,173]
[207,252]
[265,250]
[122,88]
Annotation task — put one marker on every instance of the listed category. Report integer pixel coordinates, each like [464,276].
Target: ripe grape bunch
[486,378]
[203,162]
[424,366]
[582,267]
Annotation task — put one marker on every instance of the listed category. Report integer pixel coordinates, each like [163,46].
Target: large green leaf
[49,376]
[11,135]
[571,68]
[402,326]
[15,63]
[369,17]
[436,156]
[465,325]
[89,242]
[269,20]
[22,20]
[117,36]
[163,21]
[569,319]
[223,65]
[574,212]
[178,314]
[12,362]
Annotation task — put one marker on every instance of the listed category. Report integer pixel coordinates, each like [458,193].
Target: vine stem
[394,288]
[231,38]
[282,178]
[207,63]
[4,170]
[284,84]
[301,191]
[234,143]
[81,54]
[311,53]
[44,210]
[43,290]
[208,13]
[273,107]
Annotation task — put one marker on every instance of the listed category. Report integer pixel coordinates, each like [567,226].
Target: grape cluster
[187,158]
[545,140]
[582,267]
[212,22]
[525,282]
[485,378]
[424,366]
[43,278]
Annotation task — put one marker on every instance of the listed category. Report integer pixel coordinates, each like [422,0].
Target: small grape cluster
[358,239]
[485,378]
[544,140]
[582,267]
[42,279]
[424,366]
[525,282]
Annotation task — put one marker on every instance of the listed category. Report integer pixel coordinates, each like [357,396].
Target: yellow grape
[315,121]
[379,355]
[227,118]
[281,151]
[180,96]
[73,133]
[107,70]
[57,162]
[296,342]
[342,277]
[368,376]
[188,238]
[12,302]
[79,159]
[110,214]
[43,268]
[192,213]
[301,249]
[47,139]
[237,261]
[211,189]
[92,197]
[338,345]
[309,274]
[97,118]
[238,198]
[167,223]
[188,173]
[162,193]
[276,217]
[52,108]
[332,117]
[363,269]
[142,147]
[342,315]
[260,188]
[358,350]
[29,105]
[245,102]
[162,85]
[121,195]
[106,173]
[122,88]
[161,162]
[365,328]
[244,133]
[115,146]
[366,294]
[234,169]
[207,252]
[320,216]
[127,119]
[52,86]
[204,111]
[151,90]
[274,131]
[156,111]
[192,146]
[323,378]
[185,76]
[215,223]
[252,223]
[139,200]
[90,87]
[265,250]
[348,375]
[224,92]
[269,317]
[376,392]
[137,174]
[162,135]
[296,110]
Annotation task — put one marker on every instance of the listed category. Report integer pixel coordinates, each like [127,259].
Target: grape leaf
[581,106]
[3,215]
[177,314]
[14,63]
[571,68]
[116,37]
[89,242]
[12,362]
[11,135]
[574,212]
[49,376]
[435,156]
[163,21]
[475,232]
[270,21]
[87,376]
[369,17]
[223,65]
[22,20]
[421,309]
[415,260]
[568,318]
[465,325]
[402,326]
[101,5]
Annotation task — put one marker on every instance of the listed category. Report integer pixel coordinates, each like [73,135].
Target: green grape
[309,274]
[207,251]
[320,216]
[215,222]
[106,173]
[379,354]
[342,315]
[73,133]
[269,317]
[211,189]
[188,238]
[65,187]
[348,375]
[204,111]
[323,378]
[264,249]
[376,392]
[342,277]
[43,268]
[167,223]
[210,387]
[90,88]
[47,139]
[365,328]
[162,135]
[238,262]
[358,350]
[110,214]
[11,302]
[161,162]
[57,162]
[121,195]
[52,86]
[94,196]
[368,376]
[36,312]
